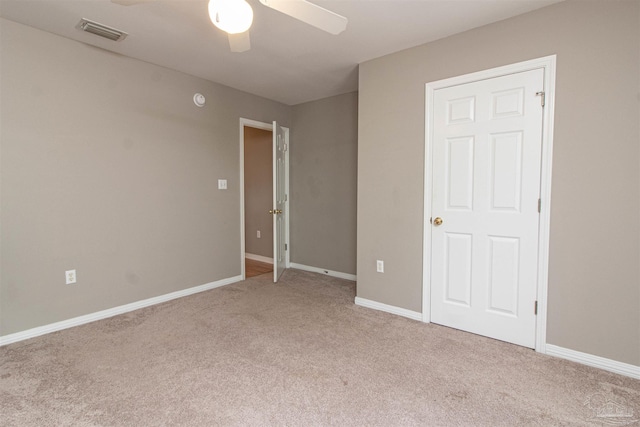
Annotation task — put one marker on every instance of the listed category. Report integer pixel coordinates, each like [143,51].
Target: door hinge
[285,147]
[539,205]
[285,246]
[535,308]
[542,97]
[285,198]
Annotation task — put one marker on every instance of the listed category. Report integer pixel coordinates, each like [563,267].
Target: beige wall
[594,282]
[324,143]
[109,168]
[258,191]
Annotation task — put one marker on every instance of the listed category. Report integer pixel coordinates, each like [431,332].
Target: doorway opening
[258,187]
[264,186]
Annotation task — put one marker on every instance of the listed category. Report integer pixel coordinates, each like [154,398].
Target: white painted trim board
[104,314]
[605,364]
[594,361]
[363,302]
[552,350]
[332,273]
[260,258]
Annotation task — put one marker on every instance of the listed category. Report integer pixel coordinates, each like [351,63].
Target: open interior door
[279,200]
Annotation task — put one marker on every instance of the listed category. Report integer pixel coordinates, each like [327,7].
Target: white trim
[99,315]
[614,366]
[545,197]
[548,64]
[332,273]
[415,315]
[426,234]
[259,258]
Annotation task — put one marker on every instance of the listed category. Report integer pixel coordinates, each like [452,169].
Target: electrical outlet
[70,276]
[380,266]
[258,234]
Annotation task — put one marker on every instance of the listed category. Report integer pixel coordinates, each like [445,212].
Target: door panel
[486,155]
[504,277]
[458,264]
[459,170]
[506,171]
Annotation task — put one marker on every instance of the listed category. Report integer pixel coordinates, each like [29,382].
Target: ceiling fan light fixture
[231,16]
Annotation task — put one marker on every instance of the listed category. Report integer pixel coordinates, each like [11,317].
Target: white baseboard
[389,308]
[332,273]
[259,258]
[595,361]
[614,366]
[99,315]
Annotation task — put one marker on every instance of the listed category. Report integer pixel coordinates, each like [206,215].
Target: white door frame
[548,64]
[264,126]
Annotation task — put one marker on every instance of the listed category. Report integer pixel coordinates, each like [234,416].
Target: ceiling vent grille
[101,30]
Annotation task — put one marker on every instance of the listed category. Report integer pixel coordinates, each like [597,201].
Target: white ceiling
[289,61]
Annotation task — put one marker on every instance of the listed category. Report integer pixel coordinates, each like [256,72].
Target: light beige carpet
[297,353]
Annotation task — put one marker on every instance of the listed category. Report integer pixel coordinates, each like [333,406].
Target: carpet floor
[296,353]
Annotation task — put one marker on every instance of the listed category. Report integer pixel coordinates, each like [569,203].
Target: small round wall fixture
[198,99]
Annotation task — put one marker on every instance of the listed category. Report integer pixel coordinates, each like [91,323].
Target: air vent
[101,30]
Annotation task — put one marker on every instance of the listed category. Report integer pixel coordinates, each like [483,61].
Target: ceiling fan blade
[130,2]
[240,42]
[310,13]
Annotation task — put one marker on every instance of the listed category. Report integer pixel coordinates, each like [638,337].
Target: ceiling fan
[236,16]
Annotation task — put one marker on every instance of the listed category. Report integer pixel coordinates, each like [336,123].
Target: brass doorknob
[437,221]
[270,211]
[278,211]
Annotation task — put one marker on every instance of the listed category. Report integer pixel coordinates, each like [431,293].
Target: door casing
[264,126]
[548,64]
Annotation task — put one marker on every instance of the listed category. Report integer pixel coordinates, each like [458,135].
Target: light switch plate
[222,184]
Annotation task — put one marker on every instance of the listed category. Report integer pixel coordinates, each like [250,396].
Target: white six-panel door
[279,200]
[486,158]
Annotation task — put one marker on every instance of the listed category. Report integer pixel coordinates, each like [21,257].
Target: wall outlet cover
[70,277]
